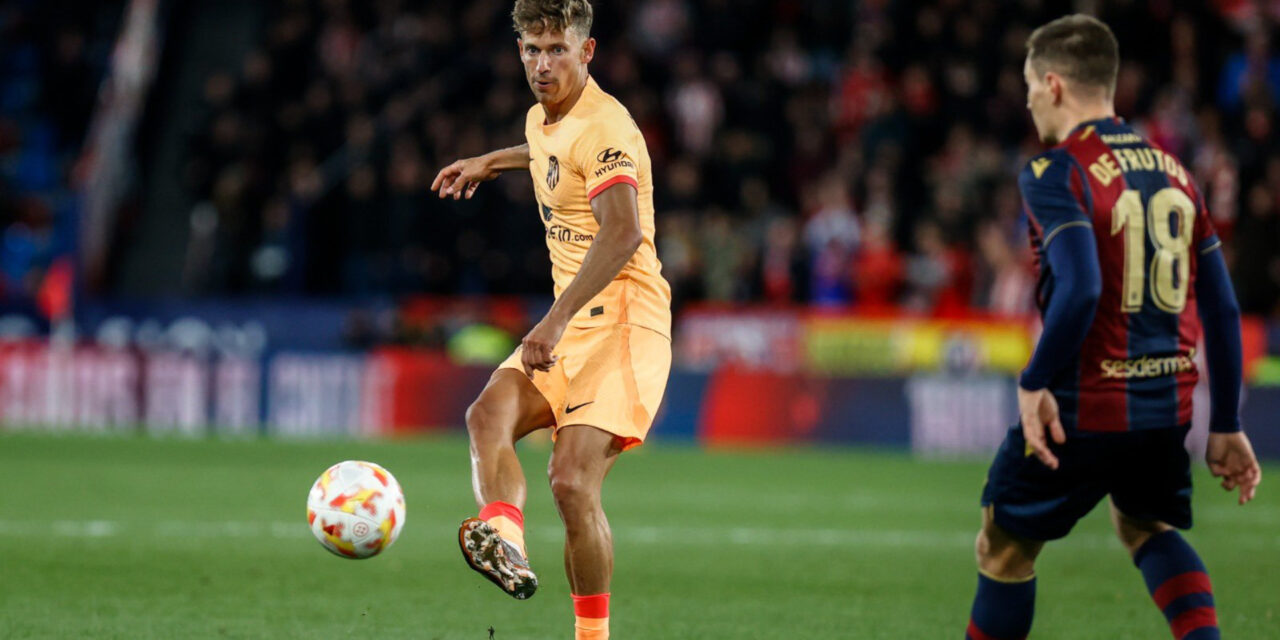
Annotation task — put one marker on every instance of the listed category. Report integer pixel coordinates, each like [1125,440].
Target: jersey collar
[1095,122]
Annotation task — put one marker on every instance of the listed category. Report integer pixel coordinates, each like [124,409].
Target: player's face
[1041,100]
[555,63]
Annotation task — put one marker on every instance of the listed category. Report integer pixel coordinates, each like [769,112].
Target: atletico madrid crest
[553,173]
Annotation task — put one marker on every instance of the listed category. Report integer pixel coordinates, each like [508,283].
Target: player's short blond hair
[538,16]
[1079,47]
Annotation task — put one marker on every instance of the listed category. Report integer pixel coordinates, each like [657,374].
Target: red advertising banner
[423,390]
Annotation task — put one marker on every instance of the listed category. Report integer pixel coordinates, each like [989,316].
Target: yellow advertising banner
[892,346]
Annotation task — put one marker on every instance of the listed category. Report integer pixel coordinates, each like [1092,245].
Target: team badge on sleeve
[1039,165]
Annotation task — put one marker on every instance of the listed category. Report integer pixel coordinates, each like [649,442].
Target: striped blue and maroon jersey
[1136,368]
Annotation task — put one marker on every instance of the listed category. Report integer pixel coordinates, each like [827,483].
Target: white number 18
[1168,288]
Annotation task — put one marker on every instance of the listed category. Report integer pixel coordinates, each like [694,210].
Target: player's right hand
[536,347]
[1230,457]
[1039,409]
[463,177]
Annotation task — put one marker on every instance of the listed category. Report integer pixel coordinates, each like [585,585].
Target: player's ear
[588,50]
[1055,85]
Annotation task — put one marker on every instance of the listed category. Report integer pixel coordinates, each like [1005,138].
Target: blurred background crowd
[51,62]
[854,154]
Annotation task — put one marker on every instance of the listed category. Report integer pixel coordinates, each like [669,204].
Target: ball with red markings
[356,509]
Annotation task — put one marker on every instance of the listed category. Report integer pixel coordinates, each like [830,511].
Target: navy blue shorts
[1147,473]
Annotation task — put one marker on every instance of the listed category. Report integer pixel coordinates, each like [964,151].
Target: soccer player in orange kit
[595,368]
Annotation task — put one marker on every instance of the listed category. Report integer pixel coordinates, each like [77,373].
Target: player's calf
[582,458]
[1175,577]
[1179,584]
[1004,604]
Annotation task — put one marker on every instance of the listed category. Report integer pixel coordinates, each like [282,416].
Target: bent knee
[571,488]
[477,416]
[1134,533]
[1003,558]
[485,421]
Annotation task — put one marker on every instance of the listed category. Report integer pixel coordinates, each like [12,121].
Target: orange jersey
[593,147]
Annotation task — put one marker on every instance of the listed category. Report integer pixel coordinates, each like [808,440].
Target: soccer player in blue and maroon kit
[1130,270]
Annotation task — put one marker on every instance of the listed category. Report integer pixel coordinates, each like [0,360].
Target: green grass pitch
[126,537]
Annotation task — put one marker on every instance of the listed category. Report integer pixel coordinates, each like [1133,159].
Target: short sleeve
[608,153]
[1049,197]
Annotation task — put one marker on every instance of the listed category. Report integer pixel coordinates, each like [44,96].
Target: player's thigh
[618,384]
[509,406]
[580,460]
[1031,501]
[1153,483]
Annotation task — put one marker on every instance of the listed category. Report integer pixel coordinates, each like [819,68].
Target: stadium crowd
[52,57]
[843,154]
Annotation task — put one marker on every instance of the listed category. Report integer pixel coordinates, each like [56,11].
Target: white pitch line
[642,535]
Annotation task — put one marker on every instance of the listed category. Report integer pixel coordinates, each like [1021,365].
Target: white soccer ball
[356,509]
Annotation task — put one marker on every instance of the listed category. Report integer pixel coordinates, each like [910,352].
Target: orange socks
[591,613]
[591,617]
[508,520]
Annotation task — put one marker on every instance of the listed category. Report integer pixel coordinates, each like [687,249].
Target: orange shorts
[610,377]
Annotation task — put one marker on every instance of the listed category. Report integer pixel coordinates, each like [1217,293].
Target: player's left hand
[1039,409]
[1230,457]
[536,348]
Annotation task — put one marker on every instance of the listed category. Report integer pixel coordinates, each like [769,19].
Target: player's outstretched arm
[620,235]
[463,177]
[1229,454]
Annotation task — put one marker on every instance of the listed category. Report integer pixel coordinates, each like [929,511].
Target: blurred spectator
[661,26]
[1257,263]
[695,106]
[1216,172]
[1251,75]
[878,268]
[52,57]
[832,235]
[784,265]
[1006,287]
[938,273]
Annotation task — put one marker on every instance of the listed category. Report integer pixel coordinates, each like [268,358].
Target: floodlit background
[214,222]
